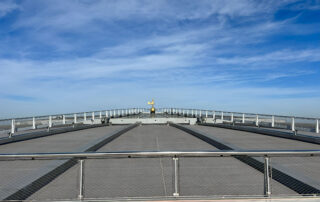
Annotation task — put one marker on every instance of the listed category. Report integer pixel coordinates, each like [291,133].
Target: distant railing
[175,155]
[293,123]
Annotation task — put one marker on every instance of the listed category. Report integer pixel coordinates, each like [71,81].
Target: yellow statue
[152,110]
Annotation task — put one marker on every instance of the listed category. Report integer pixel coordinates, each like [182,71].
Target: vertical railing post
[293,127]
[63,119]
[272,122]
[106,114]
[75,118]
[200,113]
[214,115]
[176,176]
[50,121]
[13,126]
[317,126]
[206,114]
[267,187]
[81,180]
[92,116]
[257,120]
[84,116]
[231,117]
[243,118]
[222,116]
[100,115]
[33,123]
[192,112]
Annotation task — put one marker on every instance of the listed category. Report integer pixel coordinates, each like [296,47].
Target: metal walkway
[152,178]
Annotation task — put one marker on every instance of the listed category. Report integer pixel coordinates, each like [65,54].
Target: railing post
[176,176]
[106,114]
[81,180]
[243,118]
[13,126]
[84,116]
[293,128]
[192,112]
[100,115]
[214,115]
[317,126]
[114,113]
[222,116]
[92,117]
[75,118]
[50,121]
[200,113]
[206,114]
[272,122]
[33,123]
[267,187]
[257,120]
[63,119]
[231,117]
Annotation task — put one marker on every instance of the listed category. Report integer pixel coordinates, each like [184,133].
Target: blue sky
[237,55]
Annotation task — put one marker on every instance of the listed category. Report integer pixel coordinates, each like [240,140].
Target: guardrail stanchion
[267,187]
[50,121]
[75,118]
[222,117]
[257,120]
[232,117]
[63,119]
[81,179]
[13,126]
[176,176]
[243,118]
[92,117]
[214,115]
[33,123]
[317,126]
[293,128]
[100,115]
[272,122]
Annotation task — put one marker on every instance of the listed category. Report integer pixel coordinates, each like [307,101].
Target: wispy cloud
[228,52]
[7,6]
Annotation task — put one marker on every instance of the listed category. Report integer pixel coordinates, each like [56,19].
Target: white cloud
[6,6]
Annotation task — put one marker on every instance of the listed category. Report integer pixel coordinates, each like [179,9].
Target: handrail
[150,154]
[162,108]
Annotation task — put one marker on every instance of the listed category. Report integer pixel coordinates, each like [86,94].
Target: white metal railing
[175,155]
[274,121]
[11,126]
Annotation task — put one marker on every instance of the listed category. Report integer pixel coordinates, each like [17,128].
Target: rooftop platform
[155,178]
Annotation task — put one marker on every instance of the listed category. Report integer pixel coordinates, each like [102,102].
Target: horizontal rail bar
[163,108]
[132,154]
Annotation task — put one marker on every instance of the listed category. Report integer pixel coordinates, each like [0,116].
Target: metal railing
[293,123]
[175,155]
[13,125]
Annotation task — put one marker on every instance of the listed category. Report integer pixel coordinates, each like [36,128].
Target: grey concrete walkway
[16,174]
[306,167]
[154,177]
